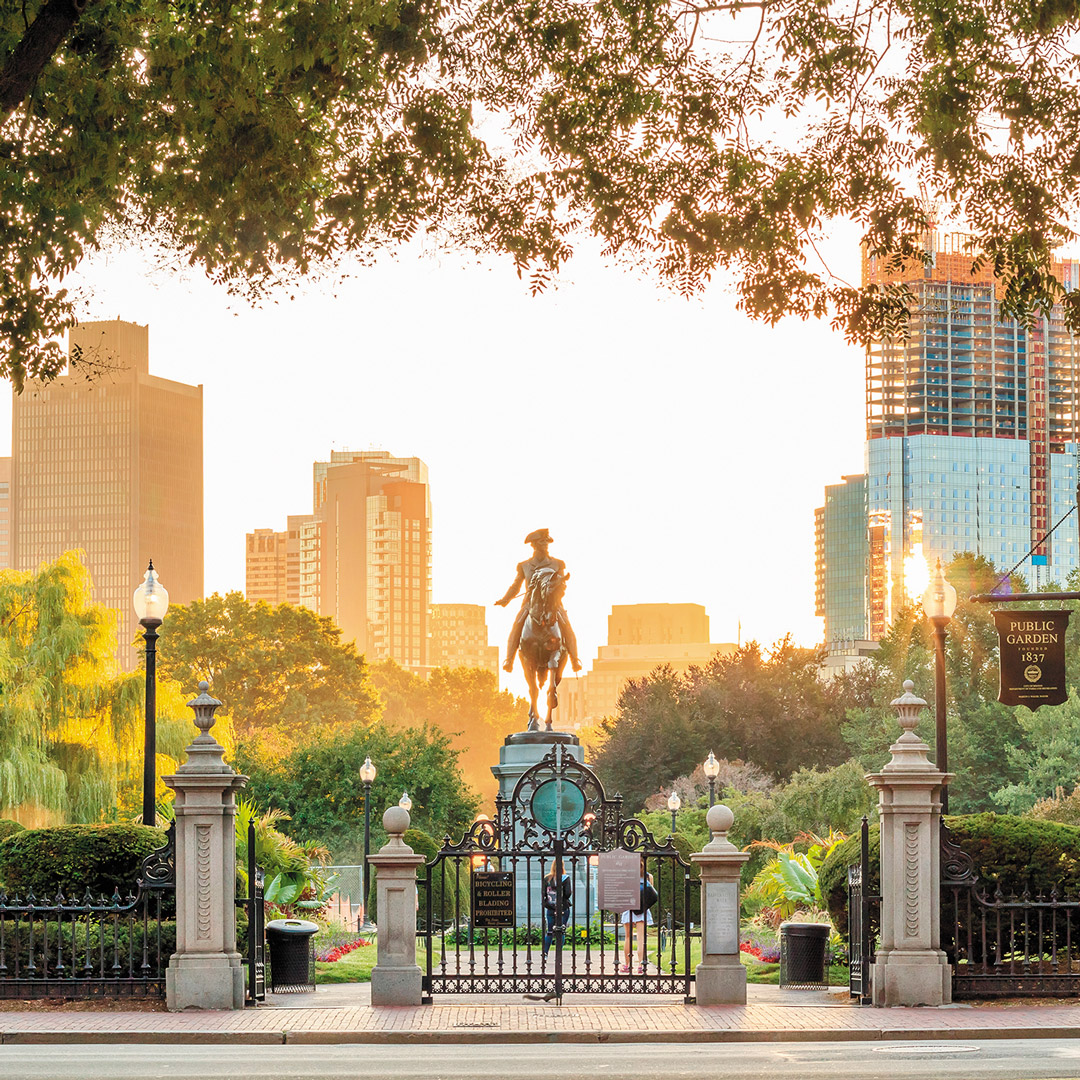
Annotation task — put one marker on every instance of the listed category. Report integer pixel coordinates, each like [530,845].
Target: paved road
[1005,1059]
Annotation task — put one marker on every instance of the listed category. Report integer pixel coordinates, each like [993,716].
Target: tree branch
[35,49]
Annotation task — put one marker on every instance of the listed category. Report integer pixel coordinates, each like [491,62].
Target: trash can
[292,955]
[804,951]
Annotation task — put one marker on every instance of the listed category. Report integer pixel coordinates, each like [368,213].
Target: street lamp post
[673,804]
[939,603]
[367,778]
[712,771]
[151,601]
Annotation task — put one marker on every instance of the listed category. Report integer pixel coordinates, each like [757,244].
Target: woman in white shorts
[639,919]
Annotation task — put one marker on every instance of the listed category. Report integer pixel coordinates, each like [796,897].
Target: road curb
[442,1037]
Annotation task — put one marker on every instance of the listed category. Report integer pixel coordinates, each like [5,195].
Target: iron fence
[101,946]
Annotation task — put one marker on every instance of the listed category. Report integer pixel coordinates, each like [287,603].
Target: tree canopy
[283,673]
[259,141]
[465,703]
[71,726]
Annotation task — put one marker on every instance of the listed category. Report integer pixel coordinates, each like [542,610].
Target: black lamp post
[673,804]
[939,603]
[367,777]
[151,602]
[712,771]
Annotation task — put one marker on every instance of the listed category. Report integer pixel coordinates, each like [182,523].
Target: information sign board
[618,880]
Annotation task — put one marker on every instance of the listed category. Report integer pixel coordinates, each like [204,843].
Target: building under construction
[971,435]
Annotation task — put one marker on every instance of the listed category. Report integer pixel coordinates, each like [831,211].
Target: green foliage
[84,939]
[71,729]
[8,827]
[465,703]
[1047,756]
[789,882]
[76,858]
[282,672]
[772,710]
[451,898]
[1013,852]
[1059,807]
[257,141]
[819,801]
[318,786]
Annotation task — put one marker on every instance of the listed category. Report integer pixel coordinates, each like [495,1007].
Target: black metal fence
[254,957]
[863,909]
[1005,945]
[92,946]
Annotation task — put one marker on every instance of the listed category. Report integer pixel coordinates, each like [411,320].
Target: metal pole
[673,812]
[367,847]
[149,811]
[712,792]
[941,734]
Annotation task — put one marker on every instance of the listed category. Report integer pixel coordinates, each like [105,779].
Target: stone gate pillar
[720,978]
[205,972]
[911,968]
[396,978]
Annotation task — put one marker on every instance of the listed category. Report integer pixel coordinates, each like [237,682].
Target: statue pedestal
[518,754]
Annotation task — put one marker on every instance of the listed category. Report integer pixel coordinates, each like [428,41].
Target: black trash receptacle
[292,955]
[804,951]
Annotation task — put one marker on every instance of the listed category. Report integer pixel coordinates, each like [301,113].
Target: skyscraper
[108,458]
[971,440]
[272,563]
[5,513]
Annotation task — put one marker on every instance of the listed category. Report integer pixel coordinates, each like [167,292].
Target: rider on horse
[540,560]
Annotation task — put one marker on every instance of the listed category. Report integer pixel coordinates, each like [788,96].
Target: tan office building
[641,637]
[459,638]
[272,563]
[5,513]
[109,459]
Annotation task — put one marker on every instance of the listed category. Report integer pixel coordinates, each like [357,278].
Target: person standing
[639,919]
[552,888]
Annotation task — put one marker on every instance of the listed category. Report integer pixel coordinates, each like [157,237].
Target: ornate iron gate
[863,906]
[1005,946]
[254,958]
[92,947]
[556,825]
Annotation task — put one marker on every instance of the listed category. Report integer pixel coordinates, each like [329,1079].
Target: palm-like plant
[789,883]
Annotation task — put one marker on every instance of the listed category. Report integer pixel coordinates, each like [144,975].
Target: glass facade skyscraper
[971,425]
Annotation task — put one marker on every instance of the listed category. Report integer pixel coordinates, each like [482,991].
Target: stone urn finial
[205,754]
[396,822]
[909,751]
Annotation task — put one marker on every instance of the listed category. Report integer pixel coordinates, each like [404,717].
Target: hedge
[1013,852]
[8,827]
[76,858]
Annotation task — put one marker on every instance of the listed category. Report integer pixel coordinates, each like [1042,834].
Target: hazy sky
[675,449]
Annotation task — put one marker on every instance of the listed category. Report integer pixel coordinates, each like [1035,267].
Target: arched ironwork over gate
[487,929]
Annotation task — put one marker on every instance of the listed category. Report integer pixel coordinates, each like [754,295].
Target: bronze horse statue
[542,649]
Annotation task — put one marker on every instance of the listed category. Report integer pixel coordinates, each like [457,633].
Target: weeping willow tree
[71,724]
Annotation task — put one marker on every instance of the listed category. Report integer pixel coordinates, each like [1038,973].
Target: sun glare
[916,573]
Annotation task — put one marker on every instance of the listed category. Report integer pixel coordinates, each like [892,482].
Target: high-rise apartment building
[272,563]
[362,557]
[108,458]
[459,638]
[641,637]
[5,513]
[971,440]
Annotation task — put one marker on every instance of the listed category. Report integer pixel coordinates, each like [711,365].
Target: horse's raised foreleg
[534,693]
[553,689]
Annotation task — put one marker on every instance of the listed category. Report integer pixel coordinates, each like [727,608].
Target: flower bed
[330,955]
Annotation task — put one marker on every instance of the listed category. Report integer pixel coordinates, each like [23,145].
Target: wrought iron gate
[998,945]
[254,958]
[92,946]
[863,908]
[556,825]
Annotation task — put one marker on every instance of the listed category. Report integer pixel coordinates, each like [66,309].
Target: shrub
[449,883]
[1013,852]
[8,827]
[1059,807]
[75,858]
[668,880]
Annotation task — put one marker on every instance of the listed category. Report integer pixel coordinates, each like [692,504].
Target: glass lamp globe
[939,600]
[405,802]
[367,771]
[711,766]
[674,802]
[151,598]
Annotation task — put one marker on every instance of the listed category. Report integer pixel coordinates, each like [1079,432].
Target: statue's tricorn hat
[541,536]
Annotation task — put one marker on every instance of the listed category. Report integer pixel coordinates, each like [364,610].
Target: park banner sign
[1032,649]
[492,899]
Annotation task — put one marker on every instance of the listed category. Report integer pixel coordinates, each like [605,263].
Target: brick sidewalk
[470,1023]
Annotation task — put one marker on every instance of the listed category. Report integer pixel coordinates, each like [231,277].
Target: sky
[674,448]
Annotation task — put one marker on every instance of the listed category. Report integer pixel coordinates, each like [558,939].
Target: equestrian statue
[541,633]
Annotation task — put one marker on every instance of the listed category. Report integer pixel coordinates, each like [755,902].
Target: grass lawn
[356,966]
